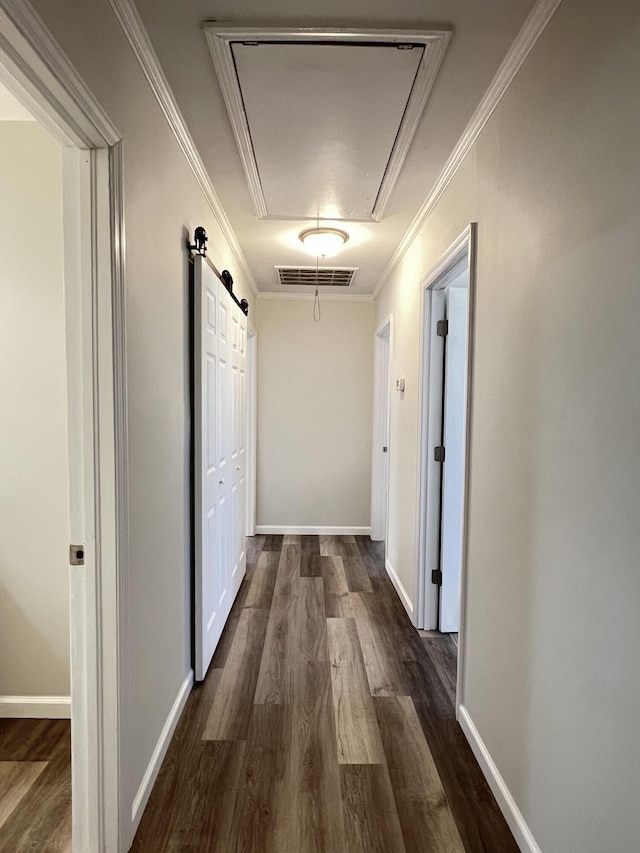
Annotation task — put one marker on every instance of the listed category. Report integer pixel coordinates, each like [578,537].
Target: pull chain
[317,314]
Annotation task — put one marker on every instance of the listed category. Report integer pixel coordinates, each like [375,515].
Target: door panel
[239,450]
[454,425]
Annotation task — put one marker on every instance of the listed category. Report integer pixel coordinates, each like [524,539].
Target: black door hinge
[438,454]
[436,577]
[442,328]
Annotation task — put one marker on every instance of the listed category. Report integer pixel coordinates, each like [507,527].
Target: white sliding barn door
[219,526]
[239,451]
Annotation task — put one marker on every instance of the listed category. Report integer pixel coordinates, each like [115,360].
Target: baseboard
[36,707]
[151,773]
[512,814]
[289,530]
[402,592]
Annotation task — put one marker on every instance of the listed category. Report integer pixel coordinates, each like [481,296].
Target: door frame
[252,428]
[428,521]
[381,426]
[35,69]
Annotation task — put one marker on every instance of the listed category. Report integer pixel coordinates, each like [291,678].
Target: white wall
[34,502]
[315,399]
[553,639]
[163,203]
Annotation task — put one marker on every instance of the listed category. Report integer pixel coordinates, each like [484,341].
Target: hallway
[326,722]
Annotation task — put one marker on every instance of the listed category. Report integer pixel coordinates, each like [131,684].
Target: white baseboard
[36,707]
[512,814]
[402,592]
[151,773]
[288,530]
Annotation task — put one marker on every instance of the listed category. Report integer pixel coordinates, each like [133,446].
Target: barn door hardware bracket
[199,245]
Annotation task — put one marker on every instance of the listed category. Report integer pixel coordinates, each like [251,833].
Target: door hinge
[438,454]
[442,328]
[384,449]
[436,577]
[76,555]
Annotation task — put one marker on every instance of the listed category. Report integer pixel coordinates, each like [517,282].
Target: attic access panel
[323,121]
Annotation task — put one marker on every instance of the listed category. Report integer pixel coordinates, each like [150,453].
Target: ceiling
[328,149]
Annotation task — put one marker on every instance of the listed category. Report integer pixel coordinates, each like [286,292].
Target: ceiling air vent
[326,276]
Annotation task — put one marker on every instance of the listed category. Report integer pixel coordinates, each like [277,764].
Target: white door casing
[462,252]
[35,69]
[251,440]
[381,431]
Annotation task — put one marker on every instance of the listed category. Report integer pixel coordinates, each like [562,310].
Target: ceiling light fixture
[323,242]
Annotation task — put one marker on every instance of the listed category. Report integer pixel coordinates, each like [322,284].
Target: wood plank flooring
[326,722]
[35,786]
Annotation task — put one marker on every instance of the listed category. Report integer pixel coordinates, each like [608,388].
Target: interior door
[212,412]
[239,450]
[454,426]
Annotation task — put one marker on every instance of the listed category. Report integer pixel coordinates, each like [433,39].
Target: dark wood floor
[35,786]
[326,722]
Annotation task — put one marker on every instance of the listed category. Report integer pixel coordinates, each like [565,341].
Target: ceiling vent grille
[325,276]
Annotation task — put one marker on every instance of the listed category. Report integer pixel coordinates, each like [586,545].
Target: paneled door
[219,408]
[239,450]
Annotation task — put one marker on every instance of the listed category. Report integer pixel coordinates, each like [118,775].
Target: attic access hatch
[324,120]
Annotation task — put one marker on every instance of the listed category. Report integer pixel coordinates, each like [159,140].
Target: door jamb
[380,512]
[463,246]
[35,69]
[252,432]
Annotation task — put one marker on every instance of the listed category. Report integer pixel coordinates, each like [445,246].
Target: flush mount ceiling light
[323,242]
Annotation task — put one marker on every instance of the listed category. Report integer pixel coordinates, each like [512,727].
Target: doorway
[38,75]
[381,448]
[35,705]
[446,332]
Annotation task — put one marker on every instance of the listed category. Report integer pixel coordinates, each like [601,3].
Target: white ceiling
[10,107]
[358,124]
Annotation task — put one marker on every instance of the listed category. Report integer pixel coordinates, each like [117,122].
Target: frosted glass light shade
[323,242]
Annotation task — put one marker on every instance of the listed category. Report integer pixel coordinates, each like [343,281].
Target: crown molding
[526,39]
[270,296]
[221,38]
[129,19]
[36,69]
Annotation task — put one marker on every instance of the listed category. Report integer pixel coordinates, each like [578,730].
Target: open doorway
[445,388]
[91,501]
[380,451]
[35,669]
